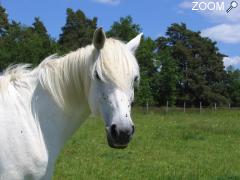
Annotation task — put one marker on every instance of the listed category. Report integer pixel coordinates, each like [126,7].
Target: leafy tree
[77,32]
[8,46]
[144,93]
[200,66]
[165,79]
[125,29]
[46,43]
[3,21]
[23,44]
[233,86]
[39,27]
[146,57]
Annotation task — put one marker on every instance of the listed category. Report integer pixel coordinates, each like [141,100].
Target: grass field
[176,145]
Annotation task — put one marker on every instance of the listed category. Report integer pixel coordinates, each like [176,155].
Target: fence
[184,108]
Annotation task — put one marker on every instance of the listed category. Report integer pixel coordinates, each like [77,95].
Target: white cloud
[234,61]
[227,33]
[113,2]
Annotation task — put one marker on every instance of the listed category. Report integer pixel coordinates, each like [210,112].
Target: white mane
[68,78]
[14,73]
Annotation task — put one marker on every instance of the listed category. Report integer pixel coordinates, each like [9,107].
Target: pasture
[175,145]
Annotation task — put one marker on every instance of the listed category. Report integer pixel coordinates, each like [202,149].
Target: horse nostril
[114,130]
[133,129]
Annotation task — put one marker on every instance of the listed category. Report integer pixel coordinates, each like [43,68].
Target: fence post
[184,107]
[147,106]
[167,107]
[229,105]
[200,107]
[215,106]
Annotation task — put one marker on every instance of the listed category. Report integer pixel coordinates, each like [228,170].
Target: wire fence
[184,108]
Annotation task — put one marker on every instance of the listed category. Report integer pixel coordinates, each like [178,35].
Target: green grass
[170,146]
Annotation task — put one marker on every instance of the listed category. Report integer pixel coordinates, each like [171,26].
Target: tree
[22,44]
[3,21]
[39,27]
[200,66]
[125,29]
[8,46]
[77,32]
[233,86]
[46,44]
[165,79]
[146,56]
[144,93]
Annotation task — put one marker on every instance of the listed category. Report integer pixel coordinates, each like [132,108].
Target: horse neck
[60,100]
[56,126]
[67,78]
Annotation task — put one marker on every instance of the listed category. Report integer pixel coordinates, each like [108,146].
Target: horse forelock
[116,64]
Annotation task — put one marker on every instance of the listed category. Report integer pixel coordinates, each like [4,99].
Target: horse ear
[134,43]
[99,38]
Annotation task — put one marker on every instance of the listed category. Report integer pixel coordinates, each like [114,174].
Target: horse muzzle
[119,138]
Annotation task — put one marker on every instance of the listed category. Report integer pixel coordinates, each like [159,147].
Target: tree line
[180,67]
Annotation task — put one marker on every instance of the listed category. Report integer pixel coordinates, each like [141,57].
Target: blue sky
[154,16]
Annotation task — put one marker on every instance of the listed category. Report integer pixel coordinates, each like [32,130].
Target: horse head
[115,74]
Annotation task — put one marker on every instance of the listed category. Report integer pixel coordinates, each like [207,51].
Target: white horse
[41,108]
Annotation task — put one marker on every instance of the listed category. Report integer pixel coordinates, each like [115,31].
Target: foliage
[233,86]
[21,44]
[77,32]
[3,21]
[144,93]
[125,29]
[146,57]
[200,66]
[165,79]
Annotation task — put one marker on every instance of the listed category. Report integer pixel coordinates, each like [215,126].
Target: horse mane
[63,76]
[67,78]
[13,73]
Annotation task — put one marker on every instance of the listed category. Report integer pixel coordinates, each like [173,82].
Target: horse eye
[132,103]
[97,76]
[136,82]
[135,78]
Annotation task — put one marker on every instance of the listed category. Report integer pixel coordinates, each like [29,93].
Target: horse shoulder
[23,153]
